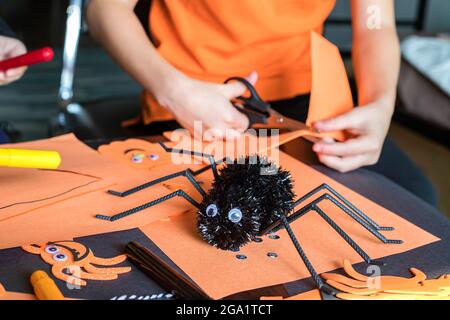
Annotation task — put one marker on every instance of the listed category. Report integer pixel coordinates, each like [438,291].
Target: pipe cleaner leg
[344,202]
[276,225]
[321,285]
[185,173]
[312,206]
[178,193]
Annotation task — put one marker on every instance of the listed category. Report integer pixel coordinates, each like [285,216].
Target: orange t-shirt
[213,40]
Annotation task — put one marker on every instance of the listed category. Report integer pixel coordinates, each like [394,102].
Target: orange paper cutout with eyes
[77,259]
[124,151]
[142,155]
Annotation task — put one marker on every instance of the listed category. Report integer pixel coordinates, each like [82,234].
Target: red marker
[27,59]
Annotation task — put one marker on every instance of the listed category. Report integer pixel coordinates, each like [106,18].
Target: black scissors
[260,114]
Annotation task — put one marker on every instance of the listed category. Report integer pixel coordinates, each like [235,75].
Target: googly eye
[60,257]
[137,158]
[212,210]
[51,249]
[235,215]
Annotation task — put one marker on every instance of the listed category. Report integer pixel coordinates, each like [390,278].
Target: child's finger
[342,164]
[348,148]
[350,120]
[15,72]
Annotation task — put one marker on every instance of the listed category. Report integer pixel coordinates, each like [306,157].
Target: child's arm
[376,60]
[114,24]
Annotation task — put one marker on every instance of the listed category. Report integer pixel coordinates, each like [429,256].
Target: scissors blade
[277,121]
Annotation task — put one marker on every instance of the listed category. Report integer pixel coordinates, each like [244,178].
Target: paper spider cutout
[73,256]
[252,197]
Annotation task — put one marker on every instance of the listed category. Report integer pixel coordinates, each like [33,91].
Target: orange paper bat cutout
[78,260]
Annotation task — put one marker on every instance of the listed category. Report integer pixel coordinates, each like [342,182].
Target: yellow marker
[38,159]
[44,287]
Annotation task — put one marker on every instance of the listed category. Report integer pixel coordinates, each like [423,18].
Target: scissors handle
[255,108]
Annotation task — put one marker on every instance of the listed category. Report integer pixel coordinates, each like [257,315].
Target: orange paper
[82,170]
[70,197]
[155,157]
[220,274]
[309,295]
[330,90]
[11,295]
[75,216]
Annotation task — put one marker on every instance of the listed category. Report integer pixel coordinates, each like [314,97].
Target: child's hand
[9,48]
[367,124]
[192,100]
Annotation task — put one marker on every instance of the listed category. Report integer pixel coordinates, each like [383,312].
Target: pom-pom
[248,195]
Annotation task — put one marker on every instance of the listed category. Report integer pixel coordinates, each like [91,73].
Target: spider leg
[276,225]
[345,202]
[185,173]
[322,286]
[178,193]
[312,206]
[346,237]
[212,161]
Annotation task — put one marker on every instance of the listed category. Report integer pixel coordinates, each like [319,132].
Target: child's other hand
[368,126]
[9,48]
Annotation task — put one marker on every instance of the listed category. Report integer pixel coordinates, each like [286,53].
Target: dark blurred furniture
[422,105]
[99,119]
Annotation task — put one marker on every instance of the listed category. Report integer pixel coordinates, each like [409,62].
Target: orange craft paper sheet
[73,214]
[308,295]
[82,170]
[330,89]
[220,274]
[246,144]
[11,295]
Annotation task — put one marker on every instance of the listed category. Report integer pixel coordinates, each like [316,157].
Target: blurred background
[38,106]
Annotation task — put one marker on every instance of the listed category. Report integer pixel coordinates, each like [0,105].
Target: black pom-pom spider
[251,197]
